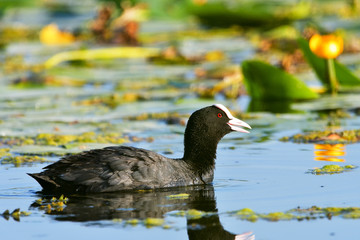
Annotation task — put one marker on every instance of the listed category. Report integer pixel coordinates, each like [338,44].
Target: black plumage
[125,168]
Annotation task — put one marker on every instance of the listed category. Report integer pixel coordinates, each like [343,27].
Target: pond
[264,187]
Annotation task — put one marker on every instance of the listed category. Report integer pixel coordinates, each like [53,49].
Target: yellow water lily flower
[51,35]
[326,46]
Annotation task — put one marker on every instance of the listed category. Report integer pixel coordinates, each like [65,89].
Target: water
[260,176]
[255,170]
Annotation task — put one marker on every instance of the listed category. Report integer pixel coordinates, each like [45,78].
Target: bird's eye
[219,115]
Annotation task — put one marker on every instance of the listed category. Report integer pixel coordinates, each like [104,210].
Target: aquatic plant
[67,141]
[52,35]
[326,136]
[331,169]
[328,47]
[153,222]
[266,82]
[343,75]
[298,214]
[50,205]
[147,222]
[112,100]
[178,196]
[16,214]
[192,214]
[4,152]
[23,159]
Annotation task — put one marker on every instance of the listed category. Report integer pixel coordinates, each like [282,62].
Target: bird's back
[115,169]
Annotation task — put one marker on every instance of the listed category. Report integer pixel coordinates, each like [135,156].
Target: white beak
[236,124]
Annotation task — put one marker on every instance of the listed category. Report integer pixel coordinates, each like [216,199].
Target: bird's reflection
[154,204]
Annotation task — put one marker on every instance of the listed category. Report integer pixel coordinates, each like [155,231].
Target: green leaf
[265,81]
[344,76]
[249,13]
[102,53]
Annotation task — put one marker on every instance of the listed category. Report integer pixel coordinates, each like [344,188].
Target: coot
[121,168]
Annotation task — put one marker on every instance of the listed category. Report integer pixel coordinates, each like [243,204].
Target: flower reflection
[329,152]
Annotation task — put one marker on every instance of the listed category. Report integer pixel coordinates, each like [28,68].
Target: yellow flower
[51,35]
[326,46]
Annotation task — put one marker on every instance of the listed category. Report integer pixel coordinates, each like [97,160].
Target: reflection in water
[329,152]
[154,204]
[281,106]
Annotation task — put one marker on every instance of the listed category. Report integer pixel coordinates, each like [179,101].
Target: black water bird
[121,168]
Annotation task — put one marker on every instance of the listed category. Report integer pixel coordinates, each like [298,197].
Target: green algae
[332,169]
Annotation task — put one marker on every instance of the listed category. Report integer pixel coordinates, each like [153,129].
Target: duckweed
[247,214]
[20,160]
[299,214]
[51,139]
[111,101]
[277,216]
[4,152]
[151,222]
[148,222]
[331,169]
[51,205]
[169,117]
[192,214]
[132,222]
[179,196]
[327,136]
[16,214]
[353,215]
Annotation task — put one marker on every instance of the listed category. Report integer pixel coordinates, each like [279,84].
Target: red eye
[219,115]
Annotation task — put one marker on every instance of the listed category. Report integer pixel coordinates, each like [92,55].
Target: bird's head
[204,130]
[212,123]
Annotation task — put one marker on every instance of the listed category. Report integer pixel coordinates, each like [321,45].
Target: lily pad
[344,76]
[248,13]
[264,81]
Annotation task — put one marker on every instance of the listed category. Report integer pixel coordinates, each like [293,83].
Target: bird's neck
[200,152]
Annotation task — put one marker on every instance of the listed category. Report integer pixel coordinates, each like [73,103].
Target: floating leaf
[102,53]
[264,81]
[248,13]
[344,76]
